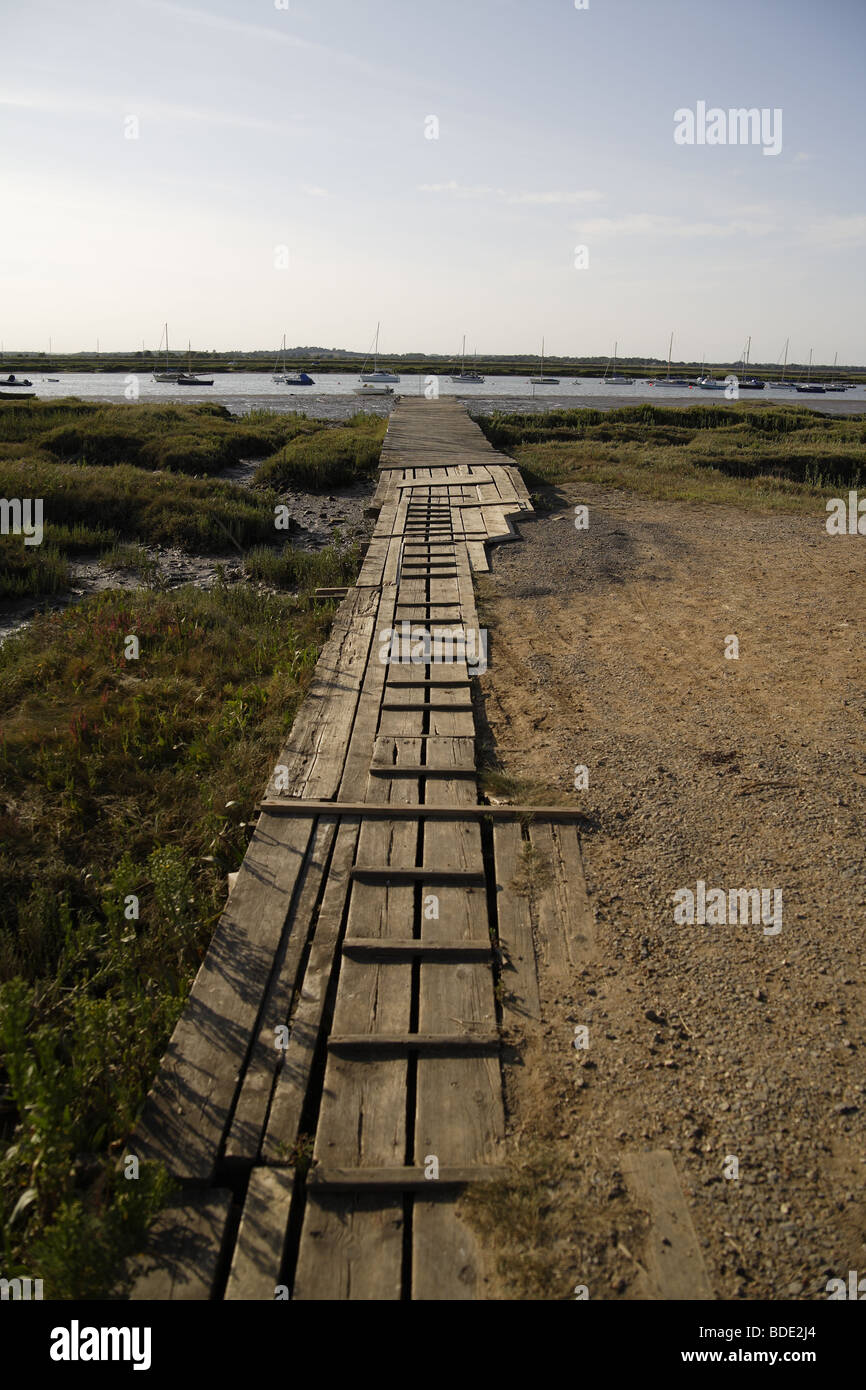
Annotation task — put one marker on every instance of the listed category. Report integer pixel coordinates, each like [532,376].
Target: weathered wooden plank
[460,950]
[459,1111]
[314,755]
[673,1257]
[184,1247]
[566,928]
[256,1267]
[514,924]
[188,1109]
[248,1120]
[354,1249]
[438,1044]
[424,810]
[406,1179]
[293,1076]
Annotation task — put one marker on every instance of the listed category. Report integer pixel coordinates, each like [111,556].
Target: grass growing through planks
[777,458]
[119,780]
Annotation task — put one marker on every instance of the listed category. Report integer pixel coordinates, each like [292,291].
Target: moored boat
[612,378]
[379,375]
[543,380]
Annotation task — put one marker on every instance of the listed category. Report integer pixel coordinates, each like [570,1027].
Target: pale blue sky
[261,127]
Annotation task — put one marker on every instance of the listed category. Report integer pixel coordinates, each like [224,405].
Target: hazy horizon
[248,170]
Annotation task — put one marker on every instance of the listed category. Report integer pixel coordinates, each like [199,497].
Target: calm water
[332,394]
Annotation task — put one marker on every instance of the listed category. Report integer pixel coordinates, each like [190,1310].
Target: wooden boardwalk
[346,1010]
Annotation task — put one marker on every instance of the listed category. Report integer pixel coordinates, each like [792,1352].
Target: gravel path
[607,650]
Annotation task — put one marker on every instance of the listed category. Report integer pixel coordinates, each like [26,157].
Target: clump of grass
[126,504]
[328,459]
[30,569]
[130,557]
[534,873]
[115,843]
[302,569]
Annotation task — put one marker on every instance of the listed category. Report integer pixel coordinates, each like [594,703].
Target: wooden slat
[519,972]
[290,1088]
[256,1268]
[438,1043]
[377,873]
[248,1120]
[404,1179]
[566,928]
[354,1248]
[673,1257]
[459,1111]
[460,950]
[425,810]
[184,1246]
[188,1109]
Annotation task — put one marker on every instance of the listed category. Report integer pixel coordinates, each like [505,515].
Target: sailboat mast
[785,363]
[670,350]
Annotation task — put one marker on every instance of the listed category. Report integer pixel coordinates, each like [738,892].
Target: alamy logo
[714,907]
[77,1343]
[856,1287]
[20,1289]
[850,520]
[22,516]
[408,645]
[738,126]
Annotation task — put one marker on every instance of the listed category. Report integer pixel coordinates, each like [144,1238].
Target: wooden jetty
[335,1079]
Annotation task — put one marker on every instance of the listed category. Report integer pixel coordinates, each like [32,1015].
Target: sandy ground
[607,650]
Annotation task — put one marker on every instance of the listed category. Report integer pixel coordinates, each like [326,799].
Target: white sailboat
[378,375]
[611,378]
[675,381]
[543,380]
[782,384]
[471,376]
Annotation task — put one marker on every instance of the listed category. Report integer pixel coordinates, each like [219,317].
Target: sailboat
[749,383]
[282,377]
[543,380]
[167,375]
[471,376]
[671,380]
[810,388]
[378,374]
[188,378]
[611,378]
[782,384]
[835,385]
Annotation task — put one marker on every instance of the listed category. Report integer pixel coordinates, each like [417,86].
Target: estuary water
[333,396]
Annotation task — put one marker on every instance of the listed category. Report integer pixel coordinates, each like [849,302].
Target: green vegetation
[115,477]
[303,570]
[119,779]
[344,454]
[127,785]
[779,457]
